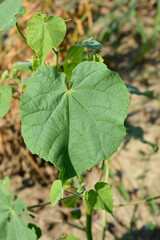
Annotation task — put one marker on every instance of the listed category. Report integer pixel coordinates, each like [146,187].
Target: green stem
[56,59]
[137,203]
[101,171]
[88,214]
[88,220]
[115,206]
[104,212]
[47,203]
[20,32]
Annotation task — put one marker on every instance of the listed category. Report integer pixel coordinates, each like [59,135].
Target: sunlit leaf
[45,33]
[78,127]
[101,198]
[56,192]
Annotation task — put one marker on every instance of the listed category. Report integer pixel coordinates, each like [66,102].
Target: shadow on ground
[147,232]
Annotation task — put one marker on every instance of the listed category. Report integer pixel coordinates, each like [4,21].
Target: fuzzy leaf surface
[5,99]
[8,11]
[45,33]
[74,129]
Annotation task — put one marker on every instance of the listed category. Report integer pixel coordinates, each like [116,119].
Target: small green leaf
[5,75]
[75,55]
[45,33]
[97,58]
[101,197]
[5,186]
[76,213]
[13,74]
[74,129]
[35,63]
[8,11]
[5,99]
[56,192]
[89,43]
[70,202]
[23,66]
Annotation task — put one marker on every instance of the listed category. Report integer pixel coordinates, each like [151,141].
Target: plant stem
[115,206]
[20,32]
[101,171]
[88,220]
[137,203]
[88,213]
[56,59]
[47,203]
[104,212]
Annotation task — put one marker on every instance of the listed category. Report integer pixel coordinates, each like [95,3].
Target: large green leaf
[5,99]
[76,128]
[101,198]
[8,11]
[12,226]
[45,33]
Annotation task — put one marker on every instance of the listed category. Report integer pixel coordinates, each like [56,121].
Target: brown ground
[31,182]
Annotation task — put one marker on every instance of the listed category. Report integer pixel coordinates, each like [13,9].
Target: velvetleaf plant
[72,116]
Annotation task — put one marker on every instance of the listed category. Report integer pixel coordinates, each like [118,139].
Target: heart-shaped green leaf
[76,128]
[45,33]
[8,11]
[101,197]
